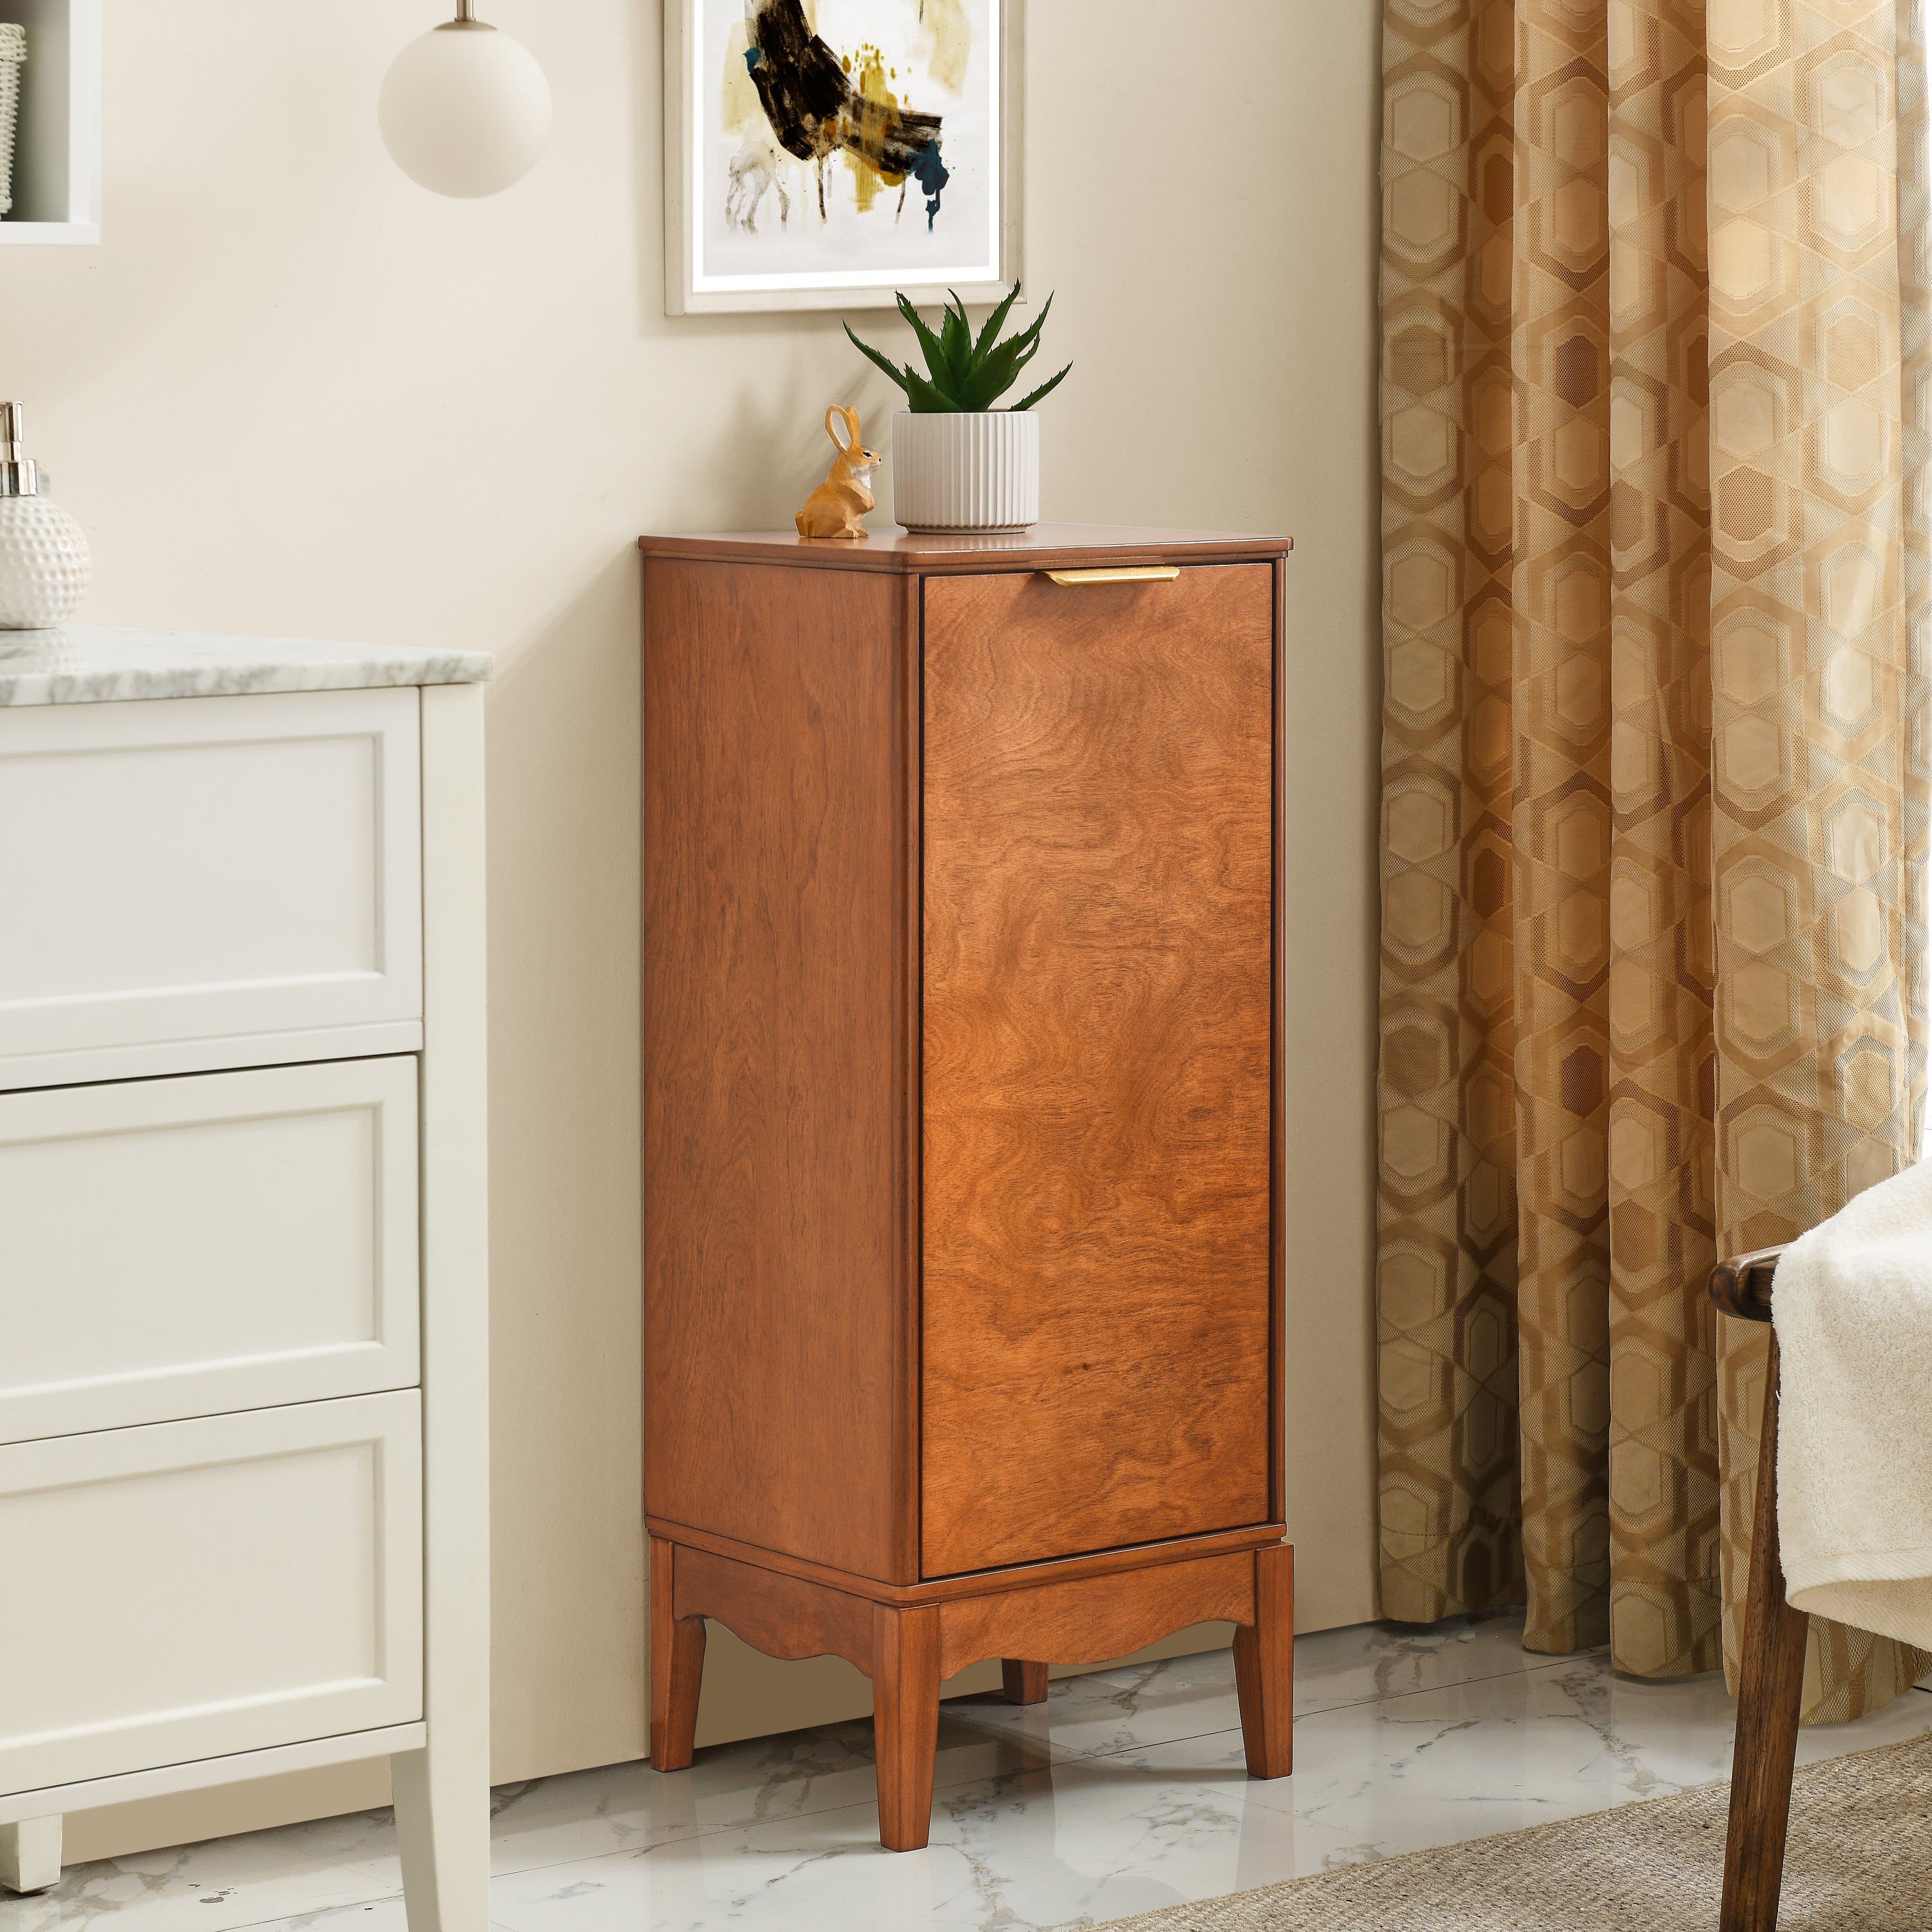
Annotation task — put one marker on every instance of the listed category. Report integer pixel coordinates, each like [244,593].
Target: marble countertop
[91,664]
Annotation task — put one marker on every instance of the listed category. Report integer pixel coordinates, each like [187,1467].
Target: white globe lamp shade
[465,110]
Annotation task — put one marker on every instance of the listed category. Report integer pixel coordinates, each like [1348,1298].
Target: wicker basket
[13,55]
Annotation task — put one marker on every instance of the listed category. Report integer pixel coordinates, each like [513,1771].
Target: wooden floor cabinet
[963,1257]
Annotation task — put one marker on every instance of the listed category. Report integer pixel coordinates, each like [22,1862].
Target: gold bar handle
[1132,573]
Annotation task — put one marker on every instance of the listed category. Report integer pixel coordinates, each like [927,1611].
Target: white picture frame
[707,273]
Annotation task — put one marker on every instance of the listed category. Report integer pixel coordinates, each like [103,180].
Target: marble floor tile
[1089,1840]
[1189,1696]
[341,1864]
[1107,1834]
[1503,1754]
[630,1808]
[225,1883]
[1125,1792]
[1375,1660]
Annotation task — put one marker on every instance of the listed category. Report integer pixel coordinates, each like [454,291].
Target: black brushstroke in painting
[814,110]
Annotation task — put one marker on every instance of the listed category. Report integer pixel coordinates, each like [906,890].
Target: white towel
[1852,1307]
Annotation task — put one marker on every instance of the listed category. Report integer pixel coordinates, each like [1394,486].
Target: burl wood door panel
[1098,868]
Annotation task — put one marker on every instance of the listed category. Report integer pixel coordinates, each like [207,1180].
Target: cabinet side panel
[1099,856]
[771,1105]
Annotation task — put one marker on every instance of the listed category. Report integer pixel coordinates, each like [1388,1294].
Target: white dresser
[244,1509]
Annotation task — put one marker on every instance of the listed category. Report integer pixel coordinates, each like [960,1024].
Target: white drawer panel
[183,869]
[196,1589]
[176,1248]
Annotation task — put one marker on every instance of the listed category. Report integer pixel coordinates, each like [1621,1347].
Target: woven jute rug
[1859,1860]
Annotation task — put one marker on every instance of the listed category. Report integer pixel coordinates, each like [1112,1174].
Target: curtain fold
[1654,770]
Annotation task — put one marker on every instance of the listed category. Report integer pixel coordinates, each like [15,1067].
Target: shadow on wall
[770,453]
[566,1377]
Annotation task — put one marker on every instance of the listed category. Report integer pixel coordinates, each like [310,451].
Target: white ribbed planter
[976,472]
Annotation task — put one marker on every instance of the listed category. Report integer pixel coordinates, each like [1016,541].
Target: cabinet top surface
[909,552]
[92,663]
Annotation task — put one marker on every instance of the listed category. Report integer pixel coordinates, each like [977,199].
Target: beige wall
[293,394]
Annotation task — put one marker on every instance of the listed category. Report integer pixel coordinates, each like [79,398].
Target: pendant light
[465,110]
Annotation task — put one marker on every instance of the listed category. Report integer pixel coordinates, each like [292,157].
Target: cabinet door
[203,1587]
[1098,863]
[185,869]
[176,1248]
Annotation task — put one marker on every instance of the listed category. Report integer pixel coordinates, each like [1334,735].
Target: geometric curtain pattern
[1819,368]
[1651,984]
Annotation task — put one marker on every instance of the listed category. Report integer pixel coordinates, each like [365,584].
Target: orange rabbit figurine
[834,508]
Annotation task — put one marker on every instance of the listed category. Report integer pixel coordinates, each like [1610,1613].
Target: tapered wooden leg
[442,1797]
[905,1721]
[1264,1666]
[30,1854]
[1022,1682]
[1770,1689]
[677,1665]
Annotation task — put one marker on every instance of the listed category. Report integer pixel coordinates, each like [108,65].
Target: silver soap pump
[44,565]
[20,475]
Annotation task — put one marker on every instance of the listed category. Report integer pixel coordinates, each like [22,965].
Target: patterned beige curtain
[1656,377]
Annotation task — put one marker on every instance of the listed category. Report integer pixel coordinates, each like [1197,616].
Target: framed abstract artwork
[823,154]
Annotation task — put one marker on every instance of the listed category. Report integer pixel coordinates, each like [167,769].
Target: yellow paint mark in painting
[875,101]
[948,37]
[739,107]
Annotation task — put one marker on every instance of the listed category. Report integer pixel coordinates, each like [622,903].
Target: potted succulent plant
[959,463]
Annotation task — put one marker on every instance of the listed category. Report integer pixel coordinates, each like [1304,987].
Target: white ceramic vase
[44,564]
[970,471]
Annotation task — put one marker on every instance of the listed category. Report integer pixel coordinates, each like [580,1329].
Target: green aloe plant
[965,373]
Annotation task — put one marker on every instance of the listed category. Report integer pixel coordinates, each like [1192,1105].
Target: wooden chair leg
[905,1721]
[677,1665]
[1264,1666]
[1022,1682]
[1771,1687]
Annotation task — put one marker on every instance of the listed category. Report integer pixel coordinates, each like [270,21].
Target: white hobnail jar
[44,565]
[975,471]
